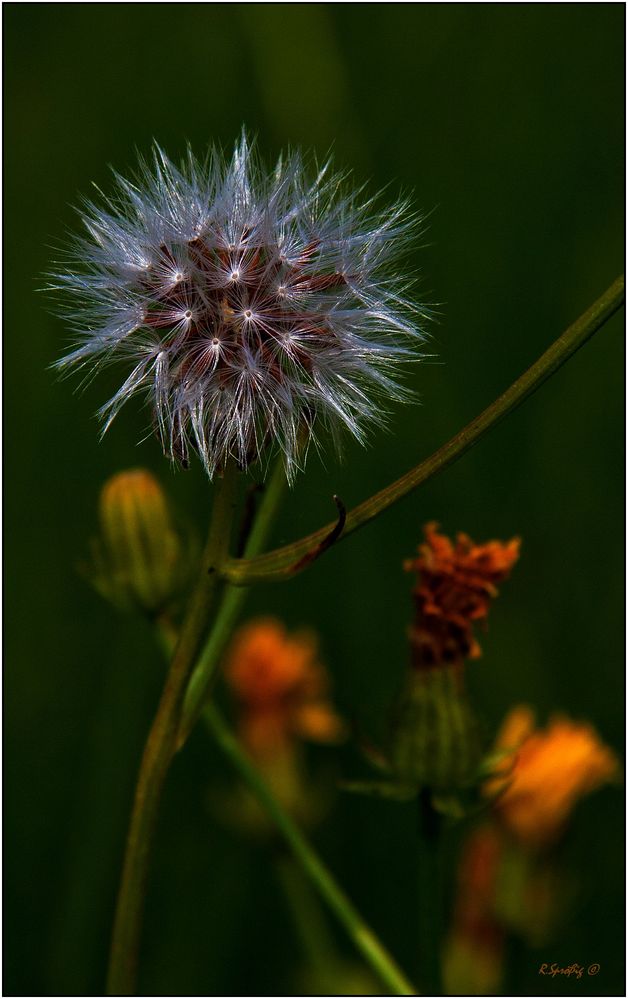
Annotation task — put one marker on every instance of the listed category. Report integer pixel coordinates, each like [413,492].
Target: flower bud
[435,742]
[139,561]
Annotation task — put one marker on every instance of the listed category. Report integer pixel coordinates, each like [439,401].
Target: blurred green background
[506,123]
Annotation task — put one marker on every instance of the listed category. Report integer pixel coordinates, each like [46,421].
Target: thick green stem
[363,937]
[284,562]
[160,747]
[229,610]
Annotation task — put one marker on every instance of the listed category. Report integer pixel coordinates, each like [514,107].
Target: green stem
[308,920]
[229,610]
[431,902]
[160,747]
[284,562]
[361,934]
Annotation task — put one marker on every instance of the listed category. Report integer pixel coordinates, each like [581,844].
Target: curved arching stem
[282,563]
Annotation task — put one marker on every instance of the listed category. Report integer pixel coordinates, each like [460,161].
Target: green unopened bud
[435,739]
[140,561]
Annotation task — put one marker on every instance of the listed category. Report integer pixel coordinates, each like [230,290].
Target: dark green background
[506,121]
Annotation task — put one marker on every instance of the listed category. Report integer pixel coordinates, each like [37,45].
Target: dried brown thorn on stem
[326,543]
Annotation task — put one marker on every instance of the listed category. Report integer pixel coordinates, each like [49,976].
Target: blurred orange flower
[474,950]
[477,876]
[281,687]
[456,584]
[551,770]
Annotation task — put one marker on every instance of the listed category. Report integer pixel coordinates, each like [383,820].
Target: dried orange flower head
[551,770]
[455,586]
[281,688]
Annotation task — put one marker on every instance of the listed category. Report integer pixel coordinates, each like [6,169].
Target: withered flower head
[455,586]
[551,770]
[281,687]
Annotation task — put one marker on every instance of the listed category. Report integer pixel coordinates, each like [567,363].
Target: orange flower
[474,950]
[455,587]
[281,687]
[477,879]
[552,769]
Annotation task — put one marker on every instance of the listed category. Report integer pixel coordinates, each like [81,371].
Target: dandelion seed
[256,309]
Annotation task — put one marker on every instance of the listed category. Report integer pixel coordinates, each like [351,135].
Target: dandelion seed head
[257,309]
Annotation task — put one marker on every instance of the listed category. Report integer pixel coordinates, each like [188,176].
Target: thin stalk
[431,902]
[160,747]
[284,562]
[229,610]
[363,937]
[308,920]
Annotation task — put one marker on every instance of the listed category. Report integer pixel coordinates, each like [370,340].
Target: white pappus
[254,308]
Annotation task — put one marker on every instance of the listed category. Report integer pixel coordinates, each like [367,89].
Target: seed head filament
[251,303]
